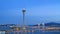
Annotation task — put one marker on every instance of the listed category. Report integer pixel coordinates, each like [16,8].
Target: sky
[37,11]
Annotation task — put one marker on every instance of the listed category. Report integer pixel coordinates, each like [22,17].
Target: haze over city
[37,11]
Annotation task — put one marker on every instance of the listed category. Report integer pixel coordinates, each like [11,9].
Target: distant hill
[52,24]
[49,24]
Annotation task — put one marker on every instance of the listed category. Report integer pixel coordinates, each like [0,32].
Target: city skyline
[37,11]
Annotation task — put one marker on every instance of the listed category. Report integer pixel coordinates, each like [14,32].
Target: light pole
[43,26]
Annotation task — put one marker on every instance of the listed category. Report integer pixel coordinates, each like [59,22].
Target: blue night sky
[37,11]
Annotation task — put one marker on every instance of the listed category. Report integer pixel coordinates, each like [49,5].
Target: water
[37,32]
[46,32]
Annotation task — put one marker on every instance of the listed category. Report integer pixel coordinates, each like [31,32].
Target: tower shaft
[23,18]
